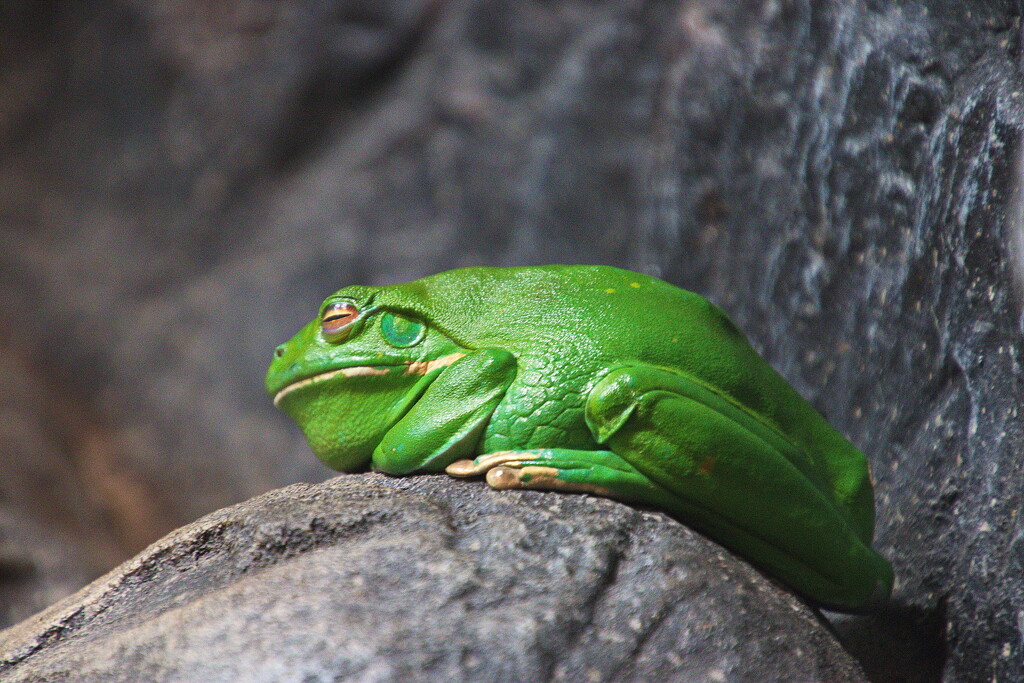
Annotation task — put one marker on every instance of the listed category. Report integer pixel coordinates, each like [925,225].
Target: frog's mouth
[419,367]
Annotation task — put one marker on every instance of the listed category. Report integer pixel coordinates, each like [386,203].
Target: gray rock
[365,577]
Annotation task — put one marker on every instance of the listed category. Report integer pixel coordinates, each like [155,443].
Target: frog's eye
[336,318]
[400,331]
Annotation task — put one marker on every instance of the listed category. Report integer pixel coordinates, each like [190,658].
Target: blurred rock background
[182,182]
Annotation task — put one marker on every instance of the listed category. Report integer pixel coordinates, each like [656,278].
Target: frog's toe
[513,477]
[481,465]
[502,477]
[462,468]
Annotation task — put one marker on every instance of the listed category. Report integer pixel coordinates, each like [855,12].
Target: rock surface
[425,578]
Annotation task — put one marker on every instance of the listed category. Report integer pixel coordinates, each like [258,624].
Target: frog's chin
[344,415]
[409,368]
[338,373]
[345,412]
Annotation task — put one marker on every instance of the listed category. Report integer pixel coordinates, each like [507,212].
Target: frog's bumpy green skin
[588,378]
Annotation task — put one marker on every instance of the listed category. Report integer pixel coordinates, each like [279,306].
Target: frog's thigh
[726,480]
[563,469]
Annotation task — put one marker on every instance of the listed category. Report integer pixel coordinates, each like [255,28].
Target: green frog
[590,379]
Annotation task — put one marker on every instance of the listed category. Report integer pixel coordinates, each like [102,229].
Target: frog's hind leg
[602,473]
[738,478]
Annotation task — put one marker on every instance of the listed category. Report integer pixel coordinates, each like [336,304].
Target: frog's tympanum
[595,379]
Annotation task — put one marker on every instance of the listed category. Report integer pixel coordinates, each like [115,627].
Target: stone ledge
[375,578]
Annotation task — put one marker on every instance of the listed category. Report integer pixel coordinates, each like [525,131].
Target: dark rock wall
[181,183]
[847,197]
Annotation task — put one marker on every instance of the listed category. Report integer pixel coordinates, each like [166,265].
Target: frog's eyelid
[346,321]
[360,310]
[327,305]
[339,310]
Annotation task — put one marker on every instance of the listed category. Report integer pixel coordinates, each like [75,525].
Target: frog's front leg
[446,422]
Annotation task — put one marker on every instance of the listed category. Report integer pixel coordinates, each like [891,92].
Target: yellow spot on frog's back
[610,290]
[634,285]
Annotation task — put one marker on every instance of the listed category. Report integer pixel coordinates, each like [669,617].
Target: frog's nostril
[279,351]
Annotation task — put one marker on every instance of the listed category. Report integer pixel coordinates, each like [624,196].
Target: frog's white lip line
[420,367]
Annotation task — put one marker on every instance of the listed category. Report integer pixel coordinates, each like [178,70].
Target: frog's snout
[279,351]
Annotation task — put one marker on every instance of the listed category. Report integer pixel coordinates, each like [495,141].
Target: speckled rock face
[425,578]
[857,212]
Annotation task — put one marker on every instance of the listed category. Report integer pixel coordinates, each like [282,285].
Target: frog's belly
[537,415]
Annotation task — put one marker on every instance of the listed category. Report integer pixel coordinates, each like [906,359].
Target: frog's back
[590,316]
[604,309]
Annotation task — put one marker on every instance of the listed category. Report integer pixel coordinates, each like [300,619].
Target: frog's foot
[481,465]
[517,470]
[601,473]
